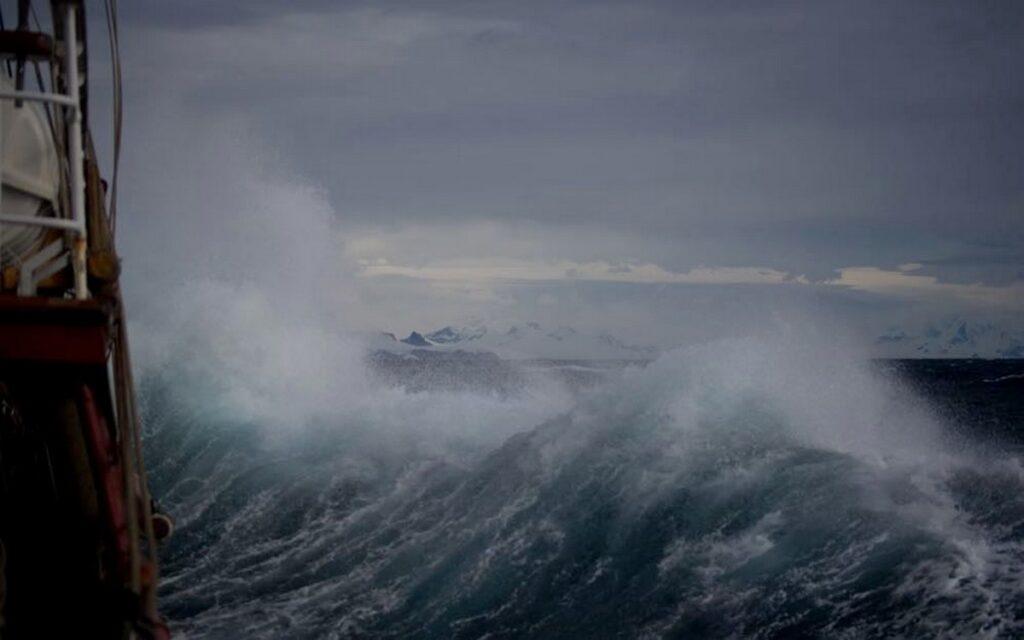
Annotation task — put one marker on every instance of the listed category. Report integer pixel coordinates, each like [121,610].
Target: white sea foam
[713,456]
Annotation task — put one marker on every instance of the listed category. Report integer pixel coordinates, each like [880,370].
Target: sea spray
[757,487]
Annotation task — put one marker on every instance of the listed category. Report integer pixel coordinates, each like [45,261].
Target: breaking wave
[750,488]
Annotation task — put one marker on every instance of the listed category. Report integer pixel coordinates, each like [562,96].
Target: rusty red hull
[48,330]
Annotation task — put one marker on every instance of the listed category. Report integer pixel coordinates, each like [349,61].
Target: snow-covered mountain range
[952,338]
[521,341]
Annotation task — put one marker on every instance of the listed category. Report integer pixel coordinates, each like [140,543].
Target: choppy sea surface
[737,490]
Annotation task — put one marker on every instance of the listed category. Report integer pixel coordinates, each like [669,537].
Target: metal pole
[46,223]
[38,96]
[75,154]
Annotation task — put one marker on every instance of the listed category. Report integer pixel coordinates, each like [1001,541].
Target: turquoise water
[734,490]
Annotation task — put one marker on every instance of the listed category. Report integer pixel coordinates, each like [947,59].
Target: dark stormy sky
[610,164]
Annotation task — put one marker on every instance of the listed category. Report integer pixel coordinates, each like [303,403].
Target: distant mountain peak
[451,335]
[417,340]
[529,340]
[960,337]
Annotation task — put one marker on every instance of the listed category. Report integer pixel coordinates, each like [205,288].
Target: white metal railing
[52,258]
[39,96]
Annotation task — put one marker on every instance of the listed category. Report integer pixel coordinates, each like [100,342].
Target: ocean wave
[742,489]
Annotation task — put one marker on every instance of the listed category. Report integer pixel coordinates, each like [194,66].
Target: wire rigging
[7,63]
[110,8]
[39,76]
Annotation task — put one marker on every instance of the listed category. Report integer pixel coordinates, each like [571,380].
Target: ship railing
[53,257]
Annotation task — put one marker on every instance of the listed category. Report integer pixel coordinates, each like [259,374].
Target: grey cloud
[674,116]
[802,136]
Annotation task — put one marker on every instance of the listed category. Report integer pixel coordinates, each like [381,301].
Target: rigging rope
[39,78]
[110,7]
[7,63]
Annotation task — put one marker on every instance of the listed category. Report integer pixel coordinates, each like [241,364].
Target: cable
[110,7]
[39,77]
[7,63]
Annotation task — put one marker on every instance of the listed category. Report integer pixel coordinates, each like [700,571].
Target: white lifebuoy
[30,172]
